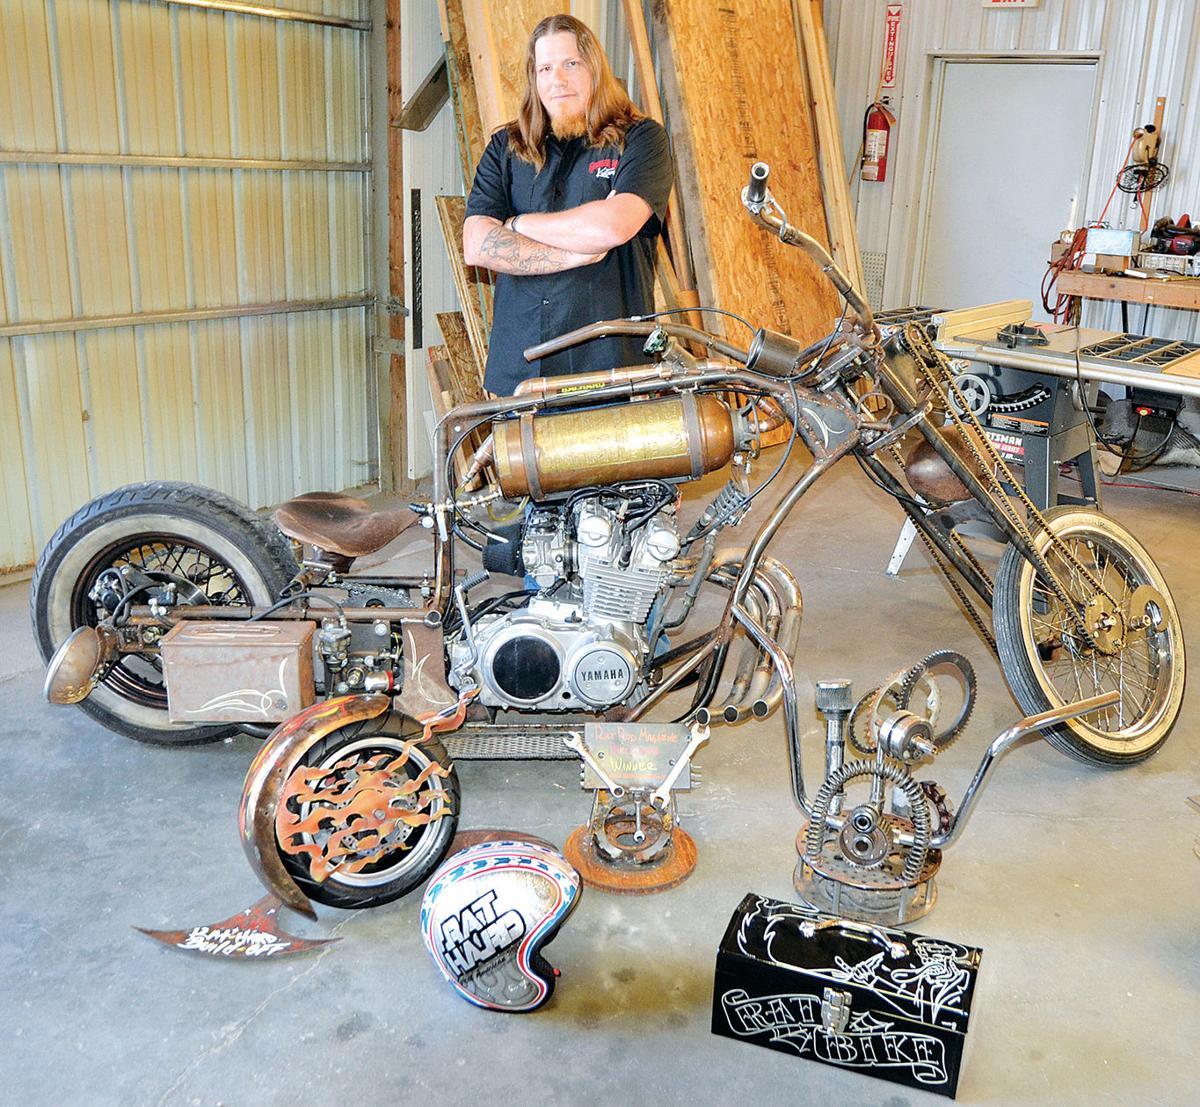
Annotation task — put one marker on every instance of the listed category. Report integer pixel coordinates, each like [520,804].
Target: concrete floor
[1081,885]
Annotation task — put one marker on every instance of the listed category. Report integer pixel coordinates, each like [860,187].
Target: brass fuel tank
[684,436]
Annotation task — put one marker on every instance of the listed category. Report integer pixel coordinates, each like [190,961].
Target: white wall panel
[431,165]
[1147,48]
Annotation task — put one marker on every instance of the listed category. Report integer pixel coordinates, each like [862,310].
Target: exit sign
[1012,3]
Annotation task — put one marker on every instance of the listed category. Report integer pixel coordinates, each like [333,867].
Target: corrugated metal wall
[184,257]
[1146,49]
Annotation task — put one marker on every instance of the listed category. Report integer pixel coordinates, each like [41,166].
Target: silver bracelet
[513,225]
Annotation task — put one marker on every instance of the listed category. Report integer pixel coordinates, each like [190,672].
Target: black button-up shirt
[532,309]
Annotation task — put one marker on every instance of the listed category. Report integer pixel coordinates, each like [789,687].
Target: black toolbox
[882,1002]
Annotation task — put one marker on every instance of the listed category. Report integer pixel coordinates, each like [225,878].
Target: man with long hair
[567,205]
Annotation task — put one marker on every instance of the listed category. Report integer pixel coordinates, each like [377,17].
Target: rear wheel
[368,814]
[209,547]
[1047,662]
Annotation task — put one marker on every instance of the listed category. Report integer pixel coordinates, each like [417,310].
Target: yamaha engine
[600,561]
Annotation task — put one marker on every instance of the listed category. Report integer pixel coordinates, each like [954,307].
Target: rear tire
[1044,667]
[212,545]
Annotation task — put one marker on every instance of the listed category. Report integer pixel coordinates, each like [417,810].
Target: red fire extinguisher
[877,130]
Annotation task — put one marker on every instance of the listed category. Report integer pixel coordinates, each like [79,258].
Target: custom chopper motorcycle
[173,615]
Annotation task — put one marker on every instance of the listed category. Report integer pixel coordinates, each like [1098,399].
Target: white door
[1008,168]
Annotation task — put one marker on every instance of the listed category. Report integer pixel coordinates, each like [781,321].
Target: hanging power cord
[1133,179]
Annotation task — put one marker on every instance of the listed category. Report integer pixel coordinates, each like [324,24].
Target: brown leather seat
[343,524]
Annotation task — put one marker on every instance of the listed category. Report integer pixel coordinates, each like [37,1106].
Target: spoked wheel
[368,814]
[116,549]
[1139,642]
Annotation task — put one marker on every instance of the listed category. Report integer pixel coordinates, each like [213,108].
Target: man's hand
[490,244]
[599,225]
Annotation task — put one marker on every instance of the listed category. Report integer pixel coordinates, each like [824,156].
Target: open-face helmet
[487,914]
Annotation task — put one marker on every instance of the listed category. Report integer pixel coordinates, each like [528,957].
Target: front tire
[417,850]
[1047,666]
[214,548]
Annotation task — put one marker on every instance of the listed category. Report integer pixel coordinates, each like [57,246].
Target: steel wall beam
[184,315]
[266,11]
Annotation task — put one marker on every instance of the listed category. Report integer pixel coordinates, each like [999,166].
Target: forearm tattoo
[511,252]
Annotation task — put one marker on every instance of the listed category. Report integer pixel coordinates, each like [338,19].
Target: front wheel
[368,814]
[1047,663]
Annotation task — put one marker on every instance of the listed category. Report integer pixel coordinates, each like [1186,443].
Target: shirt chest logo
[604,168]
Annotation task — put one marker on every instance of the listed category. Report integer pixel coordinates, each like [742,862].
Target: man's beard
[569,126]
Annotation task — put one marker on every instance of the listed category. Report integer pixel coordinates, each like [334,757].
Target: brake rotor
[352,814]
[611,857]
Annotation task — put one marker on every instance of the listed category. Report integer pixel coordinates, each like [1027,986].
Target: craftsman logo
[1008,445]
[478,933]
[604,168]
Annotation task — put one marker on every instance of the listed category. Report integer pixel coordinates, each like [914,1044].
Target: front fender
[276,761]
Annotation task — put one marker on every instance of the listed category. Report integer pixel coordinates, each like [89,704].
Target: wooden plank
[497,35]
[643,61]
[467,380]
[441,384]
[730,77]
[462,83]
[839,211]
[393,465]
[679,285]
[451,213]
[1181,293]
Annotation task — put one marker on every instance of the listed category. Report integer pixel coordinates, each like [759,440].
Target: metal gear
[899,689]
[944,736]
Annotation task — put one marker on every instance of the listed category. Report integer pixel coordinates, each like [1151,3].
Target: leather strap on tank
[695,437]
[531,459]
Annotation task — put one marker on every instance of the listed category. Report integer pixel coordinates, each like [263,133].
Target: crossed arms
[554,241]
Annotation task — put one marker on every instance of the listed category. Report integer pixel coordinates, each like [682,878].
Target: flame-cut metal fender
[276,761]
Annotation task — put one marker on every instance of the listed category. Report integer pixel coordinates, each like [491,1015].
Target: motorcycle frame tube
[268,773]
[793,236]
[791,712]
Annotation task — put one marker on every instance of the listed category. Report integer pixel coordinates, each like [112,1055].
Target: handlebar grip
[756,191]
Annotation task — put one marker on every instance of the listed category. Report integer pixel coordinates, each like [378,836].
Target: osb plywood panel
[730,76]
[454,32]
[498,35]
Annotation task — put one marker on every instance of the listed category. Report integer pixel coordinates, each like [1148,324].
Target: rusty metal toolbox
[881,1002]
[227,672]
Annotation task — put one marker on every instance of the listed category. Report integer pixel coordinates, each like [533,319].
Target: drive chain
[941,377]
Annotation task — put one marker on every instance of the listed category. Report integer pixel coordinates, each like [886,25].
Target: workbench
[1182,292]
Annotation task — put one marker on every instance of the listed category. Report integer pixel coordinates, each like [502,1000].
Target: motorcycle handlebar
[756,190]
[607,327]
